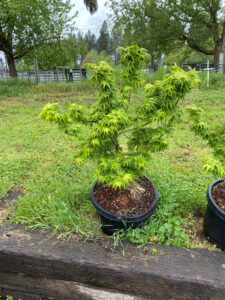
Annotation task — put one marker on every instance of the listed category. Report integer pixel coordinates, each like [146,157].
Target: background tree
[82,46]
[186,55]
[168,24]
[70,44]
[69,52]
[103,42]
[200,24]
[91,40]
[96,57]
[24,23]
[61,53]
[51,55]
[131,20]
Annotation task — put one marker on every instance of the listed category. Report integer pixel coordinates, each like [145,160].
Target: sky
[85,20]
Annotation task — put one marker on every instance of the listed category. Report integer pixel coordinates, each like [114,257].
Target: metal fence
[49,76]
[197,66]
[204,66]
[65,74]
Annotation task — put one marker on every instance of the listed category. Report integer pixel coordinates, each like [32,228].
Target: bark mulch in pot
[218,194]
[133,201]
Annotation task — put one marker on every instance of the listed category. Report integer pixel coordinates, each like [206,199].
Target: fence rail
[48,76]
[204,66]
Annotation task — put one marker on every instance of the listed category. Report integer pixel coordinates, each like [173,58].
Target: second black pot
[112,222]
[214,221]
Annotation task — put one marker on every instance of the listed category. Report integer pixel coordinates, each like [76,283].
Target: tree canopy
[163,25]
[103,42]
[25,24]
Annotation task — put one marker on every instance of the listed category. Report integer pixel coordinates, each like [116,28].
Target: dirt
[194,228]
[123,202]
[218,194]
[15,193]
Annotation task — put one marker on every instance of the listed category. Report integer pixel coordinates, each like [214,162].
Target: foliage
[215,136]
[110,121]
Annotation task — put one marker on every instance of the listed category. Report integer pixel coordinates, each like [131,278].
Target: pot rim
[115,217]
[216,209]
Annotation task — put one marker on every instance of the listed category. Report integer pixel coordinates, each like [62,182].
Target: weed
[153,250]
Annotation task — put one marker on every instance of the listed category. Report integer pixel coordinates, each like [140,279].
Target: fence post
[36,68]
[221,56]
[207,73]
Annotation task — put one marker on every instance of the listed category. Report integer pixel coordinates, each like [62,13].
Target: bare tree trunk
[11,64]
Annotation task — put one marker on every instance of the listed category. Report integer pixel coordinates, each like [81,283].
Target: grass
[39,160]
[14,87]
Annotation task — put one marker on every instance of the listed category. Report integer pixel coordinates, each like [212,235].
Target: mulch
[121,202]
[218,194]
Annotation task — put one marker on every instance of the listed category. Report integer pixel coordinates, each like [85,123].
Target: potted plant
[121,136]
[214,220]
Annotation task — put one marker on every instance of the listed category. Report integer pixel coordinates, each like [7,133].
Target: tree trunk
[153,63]
[11,64]
[218,55]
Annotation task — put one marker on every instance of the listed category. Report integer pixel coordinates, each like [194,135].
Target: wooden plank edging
[173,273]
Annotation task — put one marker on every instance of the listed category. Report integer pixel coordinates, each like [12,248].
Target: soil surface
[218,194]
[15,193]
[124,202]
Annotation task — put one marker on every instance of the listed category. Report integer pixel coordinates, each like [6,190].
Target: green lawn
[39,159]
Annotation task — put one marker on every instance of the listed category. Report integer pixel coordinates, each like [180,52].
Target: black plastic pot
[214,221]
[112,222]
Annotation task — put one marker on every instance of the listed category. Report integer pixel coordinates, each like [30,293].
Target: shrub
[119,140]
[216,140]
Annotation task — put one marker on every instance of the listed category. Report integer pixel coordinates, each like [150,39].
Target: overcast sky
[85,21]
